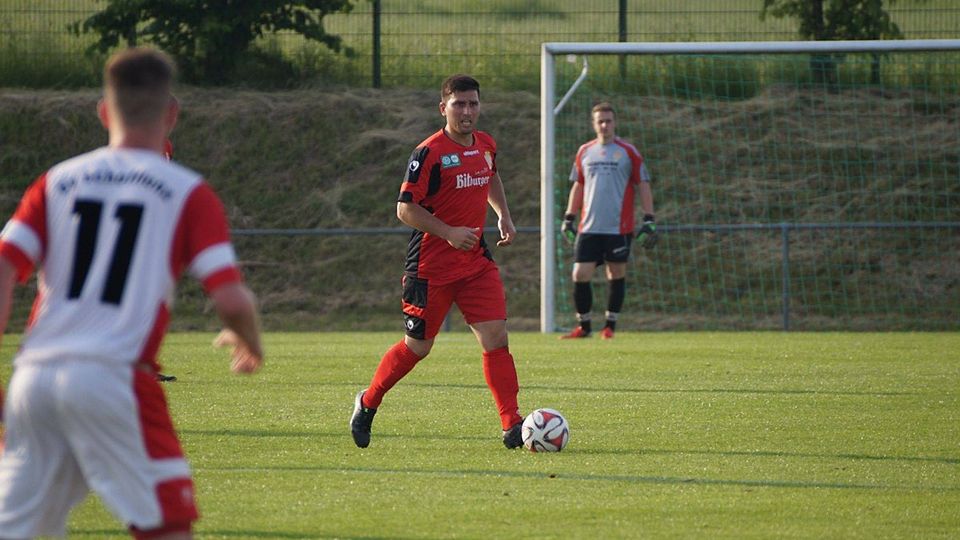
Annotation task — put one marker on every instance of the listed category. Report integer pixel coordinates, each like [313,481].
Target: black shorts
[600,248]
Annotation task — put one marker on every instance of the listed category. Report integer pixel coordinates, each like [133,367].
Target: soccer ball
[545,430]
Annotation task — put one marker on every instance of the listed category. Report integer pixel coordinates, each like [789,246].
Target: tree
[207,37]
[838,19]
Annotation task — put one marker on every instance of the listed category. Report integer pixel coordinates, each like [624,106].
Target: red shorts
[480,298]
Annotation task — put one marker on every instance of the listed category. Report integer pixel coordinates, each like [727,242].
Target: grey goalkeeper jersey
[610,174]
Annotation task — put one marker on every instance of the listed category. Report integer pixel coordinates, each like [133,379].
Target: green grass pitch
[672,434]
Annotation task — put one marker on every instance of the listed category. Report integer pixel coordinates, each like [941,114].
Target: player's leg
[119,426]
[617,254]
[588,254]
[422,320]
[39,479]
[483,304]
[582,298]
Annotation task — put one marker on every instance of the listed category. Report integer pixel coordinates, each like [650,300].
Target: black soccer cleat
[166,378]
[360,421]
[513,437]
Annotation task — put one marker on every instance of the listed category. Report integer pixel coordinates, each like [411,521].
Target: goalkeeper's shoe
[576,333]
[360,421]
[607,333]
[513,438]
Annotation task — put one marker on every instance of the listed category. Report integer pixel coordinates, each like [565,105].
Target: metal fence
[414,43]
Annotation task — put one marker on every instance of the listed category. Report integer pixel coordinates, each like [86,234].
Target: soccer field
[672,434]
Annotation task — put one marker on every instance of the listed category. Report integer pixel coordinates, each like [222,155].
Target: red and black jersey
[452,182]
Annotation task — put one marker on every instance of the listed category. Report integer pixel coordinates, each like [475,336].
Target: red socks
[498,369]
[501,375]
[395,364]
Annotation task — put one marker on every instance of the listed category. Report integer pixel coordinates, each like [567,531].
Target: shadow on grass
[256,433]
[206,533]
[761,453]
[277,534]
[611,390]
[553,476]
[679,390]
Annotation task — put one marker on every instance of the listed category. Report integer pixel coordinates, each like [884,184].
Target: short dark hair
[141,81]
[458,83]
[603,106]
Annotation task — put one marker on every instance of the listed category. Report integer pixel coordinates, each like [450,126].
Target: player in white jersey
[110,232]
[607,174]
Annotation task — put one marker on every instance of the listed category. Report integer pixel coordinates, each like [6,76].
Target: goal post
[801,124]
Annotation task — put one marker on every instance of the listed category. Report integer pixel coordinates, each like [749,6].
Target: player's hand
[226,338]
[507,231]
[647,234]
[569,227]
[463,237]
[244,359]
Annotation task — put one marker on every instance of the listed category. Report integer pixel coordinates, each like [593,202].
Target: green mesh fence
[790,191]
[423,41]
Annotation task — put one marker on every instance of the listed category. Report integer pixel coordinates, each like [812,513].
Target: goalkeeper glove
[569,227]
[647,234]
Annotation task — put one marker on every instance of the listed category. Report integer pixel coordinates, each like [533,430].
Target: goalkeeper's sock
[583,296]
[611,320]
[583,319]
[501,375]
[618,290]
[395,364]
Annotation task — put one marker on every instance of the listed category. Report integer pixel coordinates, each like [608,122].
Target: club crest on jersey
[450,160]
[489,157]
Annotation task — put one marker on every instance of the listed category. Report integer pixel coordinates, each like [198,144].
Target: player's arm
[574,204]
[647,234]
[575,200]
[497,198]
[646,199]
[8,280]
[418,217]
[236,306]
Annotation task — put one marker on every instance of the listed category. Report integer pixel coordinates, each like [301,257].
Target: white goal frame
[548,103]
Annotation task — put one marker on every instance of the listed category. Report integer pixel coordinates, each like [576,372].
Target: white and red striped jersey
[610,174]
[111,231]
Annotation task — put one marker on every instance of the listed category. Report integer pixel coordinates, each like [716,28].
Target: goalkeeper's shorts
[600,248]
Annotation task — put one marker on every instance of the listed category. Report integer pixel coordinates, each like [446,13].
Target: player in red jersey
[111,231]
[451,178]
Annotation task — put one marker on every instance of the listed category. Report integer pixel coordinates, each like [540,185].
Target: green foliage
[673,435]
[208,39]
[839,19]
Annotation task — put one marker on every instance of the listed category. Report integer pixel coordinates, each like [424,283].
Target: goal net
[797,185]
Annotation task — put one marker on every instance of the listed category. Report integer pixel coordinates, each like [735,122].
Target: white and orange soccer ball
[545,430]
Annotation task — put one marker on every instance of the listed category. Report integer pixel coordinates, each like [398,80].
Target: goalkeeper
[607,173]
